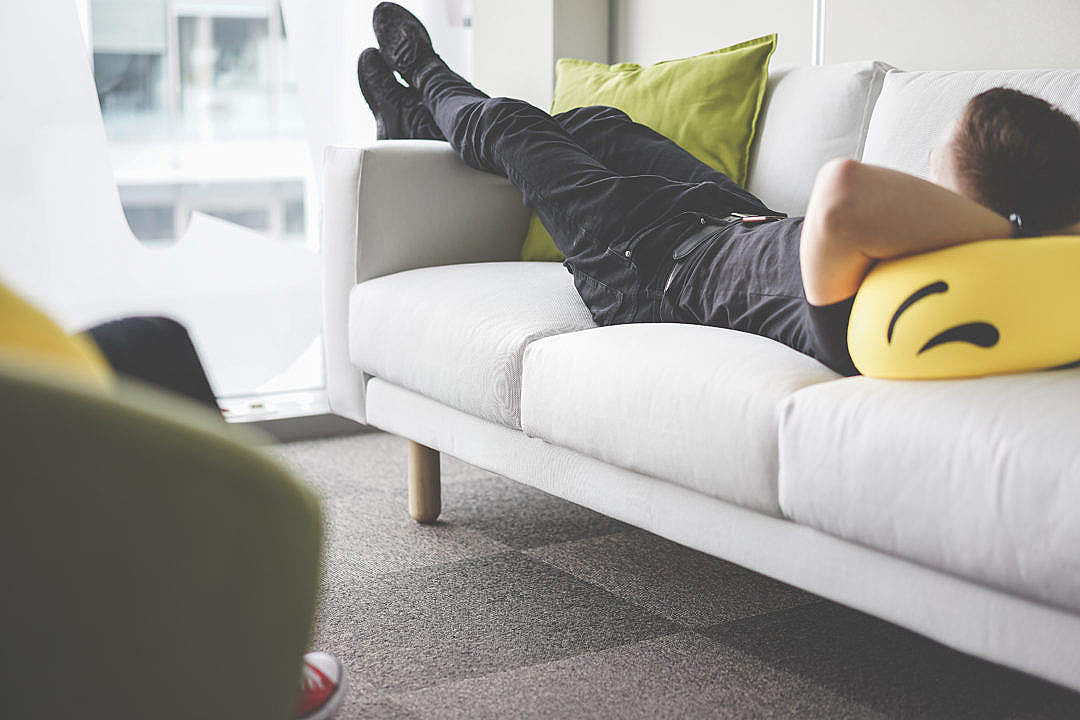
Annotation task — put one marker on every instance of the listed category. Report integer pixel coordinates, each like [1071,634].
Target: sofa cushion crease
[697,406]
[458,333]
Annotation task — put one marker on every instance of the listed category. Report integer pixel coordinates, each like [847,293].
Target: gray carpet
[519,604]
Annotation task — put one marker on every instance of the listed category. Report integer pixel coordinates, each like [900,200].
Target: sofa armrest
[398,205]
[148,552]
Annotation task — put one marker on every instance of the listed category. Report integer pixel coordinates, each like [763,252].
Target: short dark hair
[1016,153]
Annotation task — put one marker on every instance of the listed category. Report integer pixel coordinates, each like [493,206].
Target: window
[193,70]
[207,143]
[160,213]
[150,222]
[202,114]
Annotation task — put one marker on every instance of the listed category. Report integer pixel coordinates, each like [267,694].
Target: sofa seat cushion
[457,333]
[979,478]
[696,406]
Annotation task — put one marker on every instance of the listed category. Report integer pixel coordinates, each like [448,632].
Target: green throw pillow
[708,104]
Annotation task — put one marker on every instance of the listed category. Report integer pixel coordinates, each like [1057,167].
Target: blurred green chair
[154,563]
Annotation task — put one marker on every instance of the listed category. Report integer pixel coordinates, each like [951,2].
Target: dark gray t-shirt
[747,277]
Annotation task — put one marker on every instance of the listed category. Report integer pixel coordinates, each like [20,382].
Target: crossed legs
[614,195]
[596,179]
[585,204]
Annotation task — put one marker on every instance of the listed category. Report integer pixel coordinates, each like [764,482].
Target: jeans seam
[620,293]
[783,295]
[562,216]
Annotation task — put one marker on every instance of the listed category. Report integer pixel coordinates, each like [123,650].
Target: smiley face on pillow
[997,306]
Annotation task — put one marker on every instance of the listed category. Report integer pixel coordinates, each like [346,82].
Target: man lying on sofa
[651,234]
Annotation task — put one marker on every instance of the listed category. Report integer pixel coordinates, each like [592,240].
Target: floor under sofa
[520,604]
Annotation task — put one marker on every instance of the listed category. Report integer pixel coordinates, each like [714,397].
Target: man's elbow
[834,207]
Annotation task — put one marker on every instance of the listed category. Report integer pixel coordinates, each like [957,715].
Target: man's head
[1013,153]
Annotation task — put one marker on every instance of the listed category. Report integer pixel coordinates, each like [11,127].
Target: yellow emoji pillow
[997,306]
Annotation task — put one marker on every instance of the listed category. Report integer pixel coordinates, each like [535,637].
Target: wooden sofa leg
[425,487]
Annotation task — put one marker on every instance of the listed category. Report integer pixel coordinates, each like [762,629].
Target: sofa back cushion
[810,115]
[914,108]
[708,104]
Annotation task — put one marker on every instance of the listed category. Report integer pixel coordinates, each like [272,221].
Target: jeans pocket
[697,239]
[684,255]
[605,303]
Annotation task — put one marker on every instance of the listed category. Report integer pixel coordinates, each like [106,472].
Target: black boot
[403,39]
[399,112]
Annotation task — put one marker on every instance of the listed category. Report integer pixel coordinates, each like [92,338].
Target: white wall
[582,29]
[910,34]
[325,39]
[516,43]
[512,47]
[647,31]
[955,34]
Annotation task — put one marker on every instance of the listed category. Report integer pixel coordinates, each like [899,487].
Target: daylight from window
[215,174]
[206,138]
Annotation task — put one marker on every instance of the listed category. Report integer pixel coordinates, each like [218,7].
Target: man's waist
[710,228]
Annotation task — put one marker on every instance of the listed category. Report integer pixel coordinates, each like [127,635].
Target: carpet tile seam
[535,665]
[758,616]
[380,574]
[696,628]
[564,542]
[626,600]
[674,627]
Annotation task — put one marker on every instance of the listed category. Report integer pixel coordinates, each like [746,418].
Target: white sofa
[951,508]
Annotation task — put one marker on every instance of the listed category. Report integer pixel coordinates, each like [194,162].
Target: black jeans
[646,228]
[155,350]
[615,195]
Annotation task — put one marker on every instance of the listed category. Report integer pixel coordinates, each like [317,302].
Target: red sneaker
[322,687]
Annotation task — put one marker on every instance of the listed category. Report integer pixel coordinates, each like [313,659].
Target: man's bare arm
[860,213]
